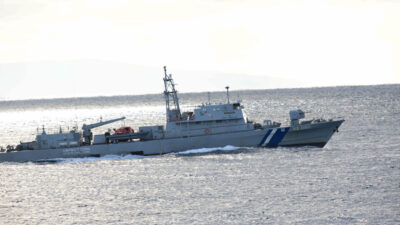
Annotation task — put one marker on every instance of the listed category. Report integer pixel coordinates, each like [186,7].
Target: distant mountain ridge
[157,99]
[51,79]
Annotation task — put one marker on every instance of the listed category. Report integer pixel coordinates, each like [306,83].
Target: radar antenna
[170,94]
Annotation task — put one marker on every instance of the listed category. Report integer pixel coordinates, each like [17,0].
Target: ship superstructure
[206,126]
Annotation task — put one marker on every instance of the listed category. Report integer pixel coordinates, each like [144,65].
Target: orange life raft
[124,130]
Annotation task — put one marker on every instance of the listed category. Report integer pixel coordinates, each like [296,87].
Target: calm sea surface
[355,179]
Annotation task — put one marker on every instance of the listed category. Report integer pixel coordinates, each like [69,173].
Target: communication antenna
[227,93]
[208,95]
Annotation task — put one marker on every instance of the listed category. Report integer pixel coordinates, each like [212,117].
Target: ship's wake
[229,149]
[217,150]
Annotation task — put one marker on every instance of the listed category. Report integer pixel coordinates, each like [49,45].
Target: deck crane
[87,133]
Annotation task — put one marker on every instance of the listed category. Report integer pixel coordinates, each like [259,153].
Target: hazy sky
[318,43]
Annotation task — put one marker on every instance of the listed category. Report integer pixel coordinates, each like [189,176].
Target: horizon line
[160,93]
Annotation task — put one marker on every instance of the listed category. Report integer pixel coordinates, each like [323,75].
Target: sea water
[354,179]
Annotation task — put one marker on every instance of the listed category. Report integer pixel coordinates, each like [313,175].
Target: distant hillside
[196,97]
[100,78]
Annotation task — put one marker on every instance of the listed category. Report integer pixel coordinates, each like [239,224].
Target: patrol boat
[208,125]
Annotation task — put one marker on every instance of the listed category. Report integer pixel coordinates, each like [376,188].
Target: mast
[173,112]
[227,93]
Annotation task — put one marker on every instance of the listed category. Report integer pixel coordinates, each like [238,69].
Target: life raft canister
[124,130]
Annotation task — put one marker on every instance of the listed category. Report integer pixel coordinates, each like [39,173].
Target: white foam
[206,150]
[125,157]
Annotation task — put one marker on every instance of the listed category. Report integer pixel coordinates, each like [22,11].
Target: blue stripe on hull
[265,137]
[277,134]
[277,138]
